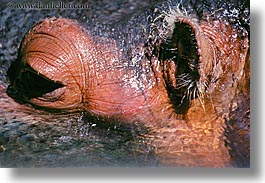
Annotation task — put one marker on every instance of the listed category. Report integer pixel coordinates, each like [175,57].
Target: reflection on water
[71,143]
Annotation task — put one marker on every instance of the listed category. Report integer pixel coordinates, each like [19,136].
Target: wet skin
[179,78]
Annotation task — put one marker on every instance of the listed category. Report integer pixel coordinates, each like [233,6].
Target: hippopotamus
[180,70]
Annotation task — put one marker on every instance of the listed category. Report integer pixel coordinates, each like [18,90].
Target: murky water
[70,143]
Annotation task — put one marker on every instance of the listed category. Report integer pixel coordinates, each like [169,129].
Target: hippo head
[44,72]
[61,66]
[155,79]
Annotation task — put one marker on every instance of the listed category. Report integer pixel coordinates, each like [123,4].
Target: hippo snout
[177,78]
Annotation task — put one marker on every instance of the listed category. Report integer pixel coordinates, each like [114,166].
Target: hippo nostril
[11,91]
[179,56]
[15,94]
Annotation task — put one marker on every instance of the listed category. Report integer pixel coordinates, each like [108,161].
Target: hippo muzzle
[180,80]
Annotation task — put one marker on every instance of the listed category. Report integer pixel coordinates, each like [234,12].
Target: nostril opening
[11,91]
[179,59]
[15,94]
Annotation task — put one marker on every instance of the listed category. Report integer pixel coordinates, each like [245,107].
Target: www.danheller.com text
[47,5]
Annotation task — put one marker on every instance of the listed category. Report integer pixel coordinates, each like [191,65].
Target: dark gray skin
[129,37]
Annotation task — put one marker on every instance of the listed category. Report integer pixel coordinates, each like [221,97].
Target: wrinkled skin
[182,76]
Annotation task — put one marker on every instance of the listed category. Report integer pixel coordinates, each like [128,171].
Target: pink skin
[94,79]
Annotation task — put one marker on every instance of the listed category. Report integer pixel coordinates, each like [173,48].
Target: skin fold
[182,79]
